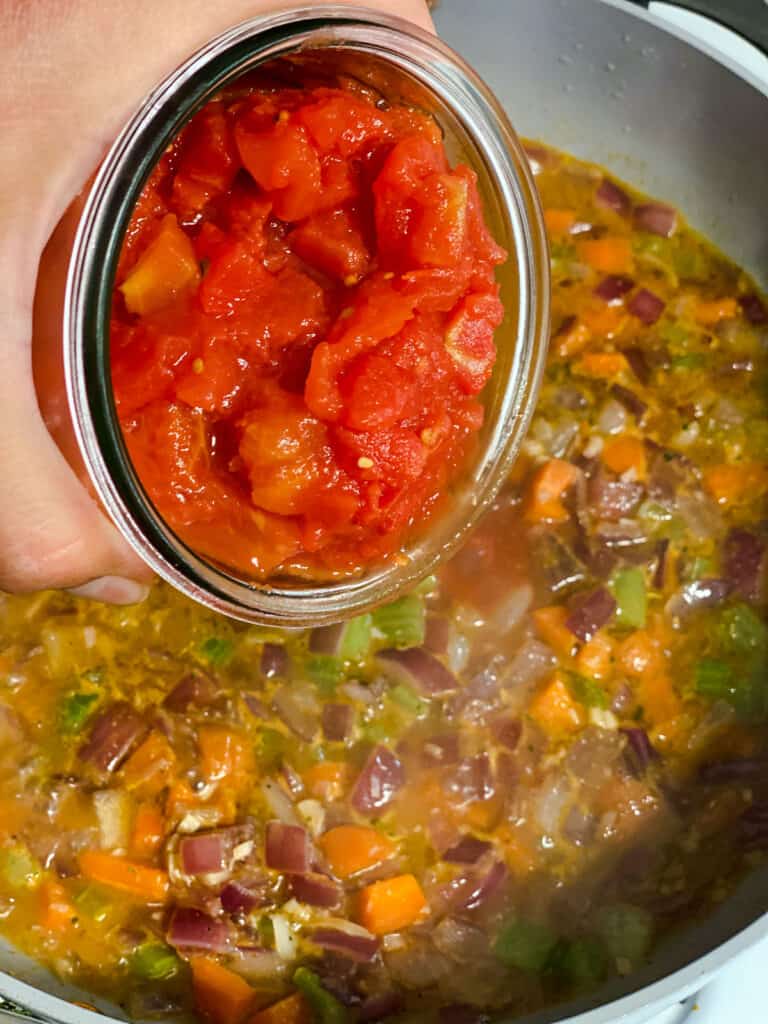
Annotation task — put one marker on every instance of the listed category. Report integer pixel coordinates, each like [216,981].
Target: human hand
[71,73]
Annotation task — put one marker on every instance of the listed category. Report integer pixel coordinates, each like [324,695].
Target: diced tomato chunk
[166,268]
[469,339]
[341,124]
[285,163]
[439,221]
[207,160]
[377,393]
[333,242]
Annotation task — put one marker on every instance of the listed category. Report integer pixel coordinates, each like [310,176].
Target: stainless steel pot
[608,82]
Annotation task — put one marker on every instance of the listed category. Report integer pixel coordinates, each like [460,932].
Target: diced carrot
[555,711]
[326,780]
[735,484]
[148,830]
[609,255]
[221,996]
[559,222]
[220,808]
[605,321]
[483,815]
[225,754]
[551,627]
[602,365]
[641,654]
[595,659]
[150,884]
[391,905]
[546,490]
[518,855]
[151,767]
[292,1010]
[572,340]
[711,313]
[352,848]
[167,267]
[57,911]
[658,698]
[625,453]
[672,735]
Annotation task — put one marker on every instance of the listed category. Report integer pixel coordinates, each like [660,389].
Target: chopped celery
[76,710]
[402,623]
[655,512]
[524,944]
[154,961]
[217,650]
[626,931]
[271,746]
[408,699]
[325,671]
[427,586]
[356,638]
[628,586]
[714,679]
[326,1007]
[699,568]
[690,361]
[742,630]
[582,961]
[675,335]
[587,691]
[18,868]
[93,902]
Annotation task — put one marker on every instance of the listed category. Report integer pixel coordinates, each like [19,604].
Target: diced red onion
[660,571]
[279,802]
[473,892]
[629,400]
[379,1007]
[116,731]
[459,1013]
[579,826]
[327,639]
[286,848]
[293,780]
[243,896]
[754,309]
[614,287]
[190,928]
[613,498]
[202,854]
[468,850]
[640,753]
[646,306]
[470,780]
[507,730]
[359,945]
[419,668]
[638,364]
[337,721]
[531,662]
[699,594]
[744,563]
[656,218]
[611,197]
[298,709]
[256,706]
[591,613]
[379,781]
[317,890]
[274,661]
[437,634]
[557,565]
[194,690]
[746,769]
[623,700]
[256,963]
[612,418]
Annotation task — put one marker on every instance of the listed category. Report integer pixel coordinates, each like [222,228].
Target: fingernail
[113,590]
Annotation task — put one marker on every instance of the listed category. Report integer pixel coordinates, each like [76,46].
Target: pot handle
[748,18]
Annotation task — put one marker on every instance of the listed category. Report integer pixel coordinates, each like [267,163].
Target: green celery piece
[587,691]
[325,671]
[524,944]
[356,639]
[402,623]
[93,902]
[18,868]
[742,630]
[628,587]
[654,511]
[326,1007]
[583,961]
[217,650]
[750,695]
[713,678]
[626,931]
[699,568]
[427,586]
[408,699]
[154,961]
[76,709]
[690,361]
[271,745]
[676,335]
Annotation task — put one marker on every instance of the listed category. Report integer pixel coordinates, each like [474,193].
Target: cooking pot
[607,81]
